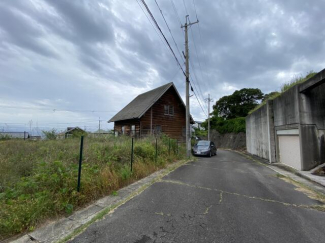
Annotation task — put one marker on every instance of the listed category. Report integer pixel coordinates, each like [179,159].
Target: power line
[49,109]
[200,41]
[161,39]
[169,30]
[199,102]
[197,81]
[195,50]
[179,19]
[154,20]
[195,9]
[185,7]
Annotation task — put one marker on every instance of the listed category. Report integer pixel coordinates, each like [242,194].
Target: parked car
[205,148]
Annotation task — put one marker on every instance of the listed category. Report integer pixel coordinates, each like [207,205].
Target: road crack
[220,200]
[312,207]
[207,210]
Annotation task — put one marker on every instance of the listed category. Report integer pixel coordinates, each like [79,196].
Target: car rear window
[203,143]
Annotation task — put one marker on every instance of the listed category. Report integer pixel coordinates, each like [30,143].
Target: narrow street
[225,198]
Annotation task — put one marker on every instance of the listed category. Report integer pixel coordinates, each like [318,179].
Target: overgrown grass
[271,97]
[297,80]
[284,88]
[38,179]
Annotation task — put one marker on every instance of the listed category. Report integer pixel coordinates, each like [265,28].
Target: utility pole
[209,100]
[188,136]
[99,125]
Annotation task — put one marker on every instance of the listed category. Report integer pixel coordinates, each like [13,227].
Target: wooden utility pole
[209,100]
[188,135]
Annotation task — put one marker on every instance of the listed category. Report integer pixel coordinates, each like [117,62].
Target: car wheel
[210,154]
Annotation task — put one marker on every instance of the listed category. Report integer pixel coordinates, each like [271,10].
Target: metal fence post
[80,162]
[156,149]
[131,154]
[169,146]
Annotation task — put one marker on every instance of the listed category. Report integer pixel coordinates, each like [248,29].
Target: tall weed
[38,179]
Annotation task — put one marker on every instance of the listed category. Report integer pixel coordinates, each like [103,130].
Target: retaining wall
[302,108]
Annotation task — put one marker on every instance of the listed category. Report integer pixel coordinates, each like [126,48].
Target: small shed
[71,132]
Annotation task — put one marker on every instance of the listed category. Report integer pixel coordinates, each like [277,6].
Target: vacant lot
[38,179]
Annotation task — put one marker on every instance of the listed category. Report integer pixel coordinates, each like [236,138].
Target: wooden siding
[171,125]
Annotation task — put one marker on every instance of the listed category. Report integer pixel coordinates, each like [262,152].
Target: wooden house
[160,110]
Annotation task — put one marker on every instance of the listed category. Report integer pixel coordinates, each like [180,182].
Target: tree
[51,135]
[238,104]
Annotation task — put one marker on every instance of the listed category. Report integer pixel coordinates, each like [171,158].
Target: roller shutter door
[289,149]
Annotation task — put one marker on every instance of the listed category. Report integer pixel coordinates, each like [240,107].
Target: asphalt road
[226,198]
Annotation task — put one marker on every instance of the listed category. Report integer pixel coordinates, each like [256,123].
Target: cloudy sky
[67,63]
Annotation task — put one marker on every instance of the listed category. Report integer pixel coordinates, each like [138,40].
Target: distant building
[18,135]
[35,137]
[198,124]
[70,132]
[160,110]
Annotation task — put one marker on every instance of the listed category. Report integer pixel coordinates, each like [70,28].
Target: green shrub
[51,135]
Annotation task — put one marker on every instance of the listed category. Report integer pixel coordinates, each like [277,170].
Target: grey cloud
[243,43]
[20,31]
[85,20]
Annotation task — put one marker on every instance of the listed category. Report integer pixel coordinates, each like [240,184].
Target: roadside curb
[66,228]
[286,171]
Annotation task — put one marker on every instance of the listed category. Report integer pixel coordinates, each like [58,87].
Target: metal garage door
[289,149]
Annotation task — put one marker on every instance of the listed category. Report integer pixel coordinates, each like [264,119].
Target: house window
[123,129]
[166,108]
[169,110]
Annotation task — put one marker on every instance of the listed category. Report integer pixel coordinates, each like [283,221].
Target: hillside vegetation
[284,88]
[38,179]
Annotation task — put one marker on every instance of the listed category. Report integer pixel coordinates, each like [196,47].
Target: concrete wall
[256,133]
[260,132]
[302,107]
[286,108]
[312,121]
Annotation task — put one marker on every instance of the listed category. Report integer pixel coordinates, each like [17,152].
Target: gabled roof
[137,107]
